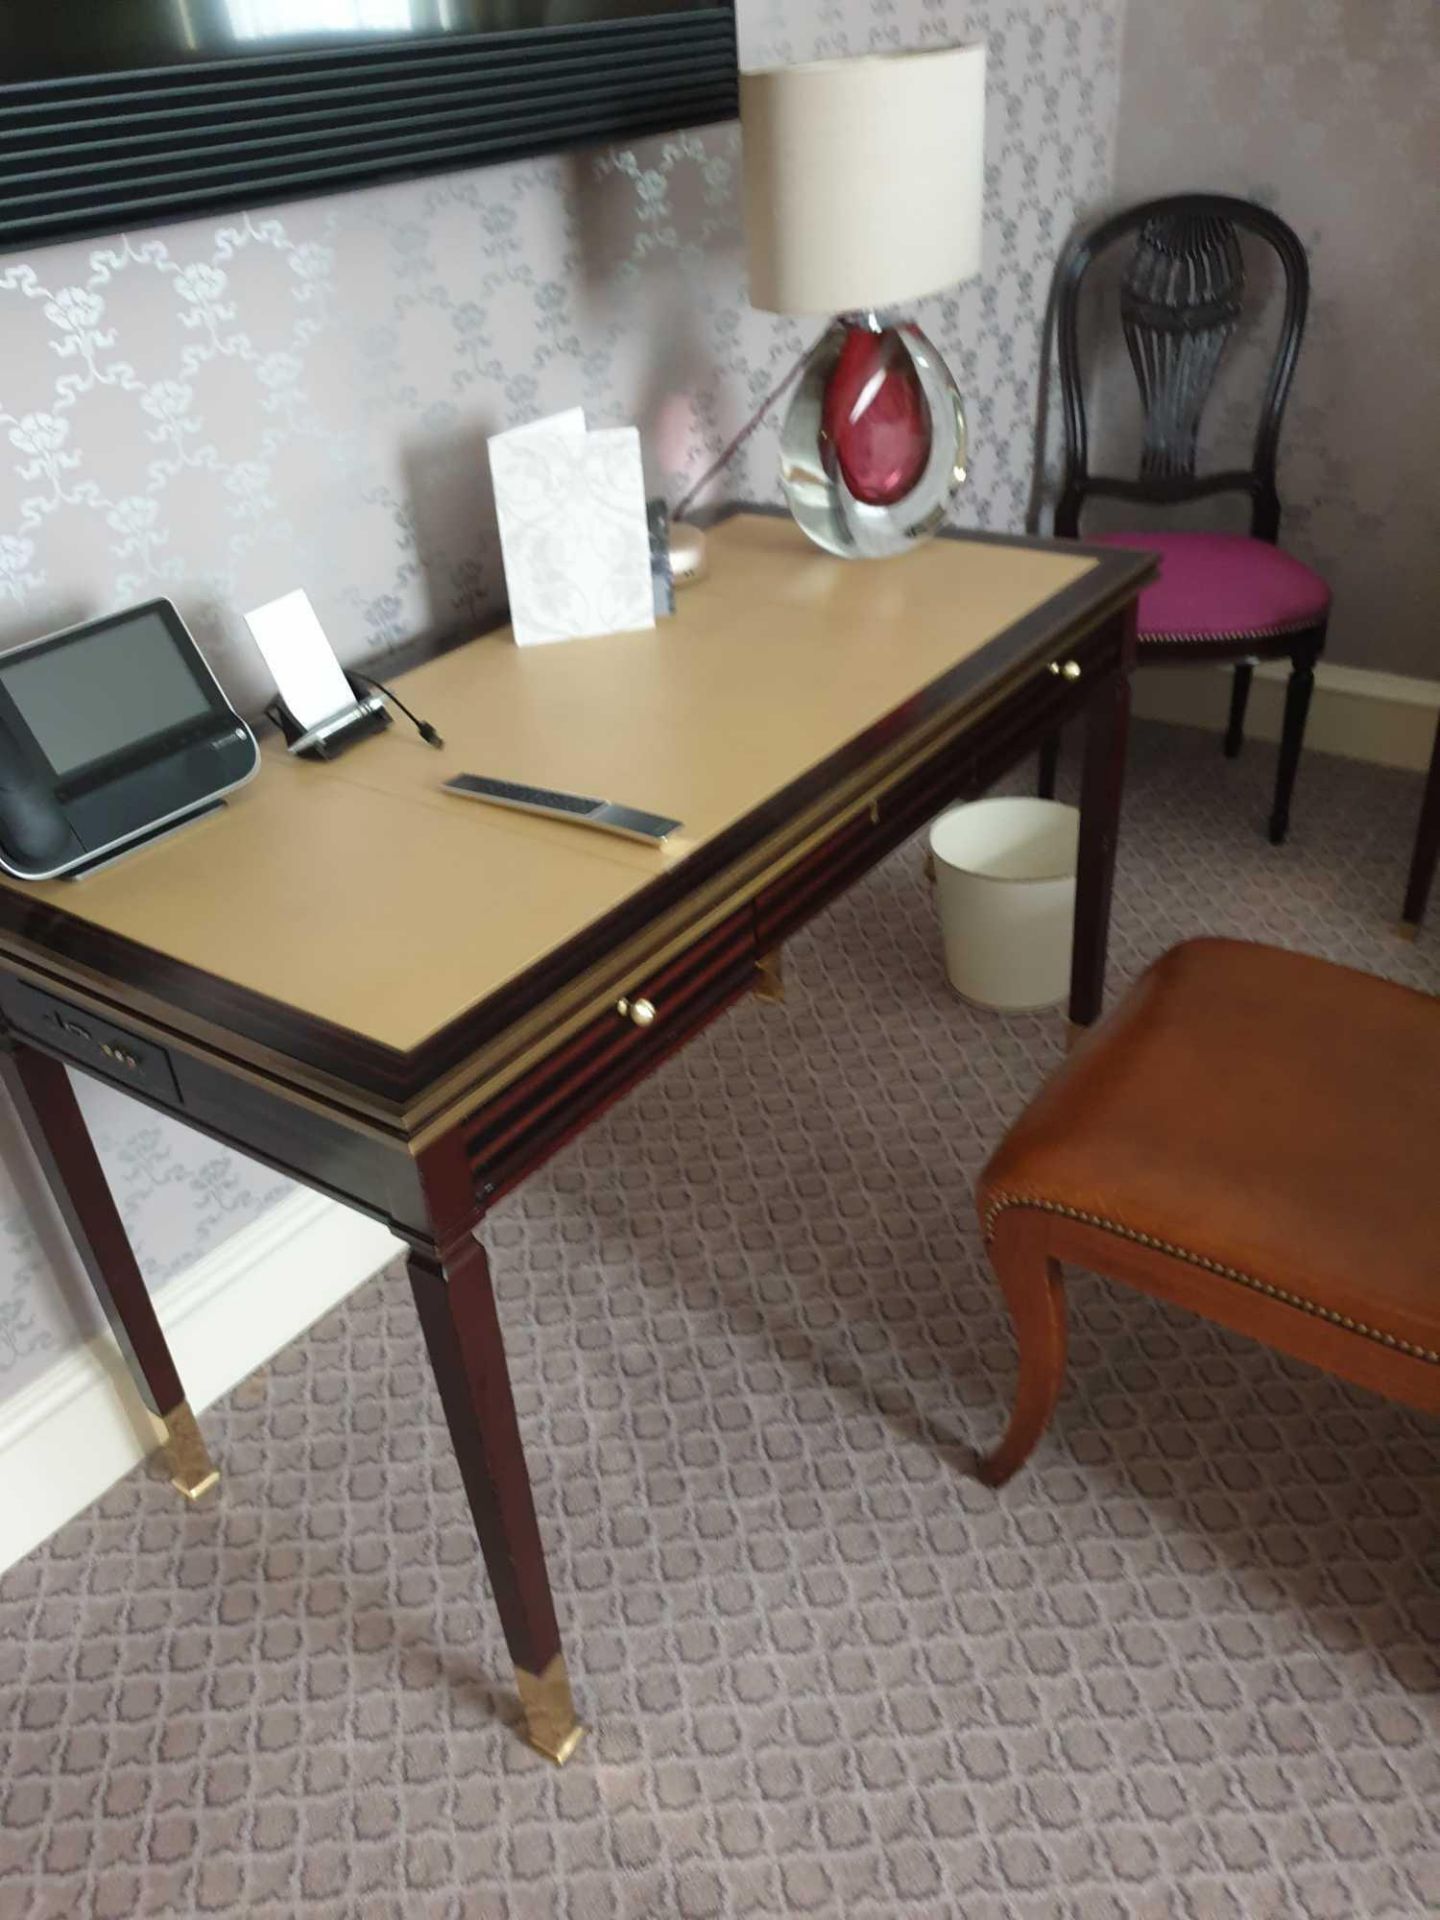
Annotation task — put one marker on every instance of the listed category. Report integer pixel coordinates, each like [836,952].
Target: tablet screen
[105,691]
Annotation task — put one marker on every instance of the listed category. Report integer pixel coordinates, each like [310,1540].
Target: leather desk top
[357,894]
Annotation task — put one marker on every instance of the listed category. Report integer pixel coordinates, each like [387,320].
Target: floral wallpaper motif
[1324,110]
[224,410]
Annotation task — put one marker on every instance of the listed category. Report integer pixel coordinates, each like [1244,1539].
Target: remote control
[630,822]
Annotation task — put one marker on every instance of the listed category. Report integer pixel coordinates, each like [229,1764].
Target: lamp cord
[717,467]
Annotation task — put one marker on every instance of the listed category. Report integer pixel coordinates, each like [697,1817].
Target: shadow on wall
[633,311]
[33,624]
[678,410]
[454,540]
[688,215]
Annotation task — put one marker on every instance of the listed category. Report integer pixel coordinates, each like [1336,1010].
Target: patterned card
[573,530]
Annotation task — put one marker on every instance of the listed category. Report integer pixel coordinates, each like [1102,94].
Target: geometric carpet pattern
[1186,1664]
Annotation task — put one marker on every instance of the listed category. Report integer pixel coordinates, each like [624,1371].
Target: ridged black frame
[90,156]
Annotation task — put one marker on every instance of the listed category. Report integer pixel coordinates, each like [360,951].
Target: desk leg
[1427,849]
[45,1100]
[1107,724]
[456,1304]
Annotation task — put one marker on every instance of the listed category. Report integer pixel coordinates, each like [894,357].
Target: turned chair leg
[1034,1291]
[1426,856]
[1292,737]
[1239,701]
[1049,767]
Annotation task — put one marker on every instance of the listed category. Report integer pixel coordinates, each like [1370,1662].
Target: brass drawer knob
[1067,669]
[640,1013]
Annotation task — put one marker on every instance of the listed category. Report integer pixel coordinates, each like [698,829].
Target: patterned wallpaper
[227,409]
[1325,110]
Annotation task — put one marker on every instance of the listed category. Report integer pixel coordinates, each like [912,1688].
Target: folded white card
[573,531]
[301,660]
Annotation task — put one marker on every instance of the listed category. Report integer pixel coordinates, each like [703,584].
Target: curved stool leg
[1035,1294]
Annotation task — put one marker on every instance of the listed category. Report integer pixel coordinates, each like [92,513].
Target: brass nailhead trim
[1004,1201]
[1245,633]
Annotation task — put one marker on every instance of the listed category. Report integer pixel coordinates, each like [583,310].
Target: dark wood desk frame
[397,1140]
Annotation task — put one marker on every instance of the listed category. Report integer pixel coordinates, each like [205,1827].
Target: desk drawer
[824,873]
[1052,700]
[95,1044]
[534,1116]
[1057,693]
[361,1171]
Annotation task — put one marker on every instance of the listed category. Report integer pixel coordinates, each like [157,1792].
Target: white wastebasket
[1005,872]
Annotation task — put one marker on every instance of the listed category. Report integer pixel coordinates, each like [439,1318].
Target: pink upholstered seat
[1223,587]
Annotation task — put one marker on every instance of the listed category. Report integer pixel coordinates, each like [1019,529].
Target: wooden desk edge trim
[257,1065]
[410,1099]
[554,1020]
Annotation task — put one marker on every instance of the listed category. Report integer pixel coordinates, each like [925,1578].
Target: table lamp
[864,187]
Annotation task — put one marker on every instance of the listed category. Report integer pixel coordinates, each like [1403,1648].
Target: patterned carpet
[1185,1665]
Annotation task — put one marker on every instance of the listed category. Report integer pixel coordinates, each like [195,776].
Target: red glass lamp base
[874,418]
[872,451]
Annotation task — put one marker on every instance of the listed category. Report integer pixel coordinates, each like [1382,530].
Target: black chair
[1218,596]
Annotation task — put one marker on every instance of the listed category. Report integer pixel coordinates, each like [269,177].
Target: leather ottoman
[1254,1135]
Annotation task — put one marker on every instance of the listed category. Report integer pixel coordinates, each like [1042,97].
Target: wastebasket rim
[1066,872]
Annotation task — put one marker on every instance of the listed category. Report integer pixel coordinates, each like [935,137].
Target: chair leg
[1239,701]
[1049,767]
[1427,849]
[1034,1291]
[1292,737]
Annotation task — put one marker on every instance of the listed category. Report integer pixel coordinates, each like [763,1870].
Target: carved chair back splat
[1179,302]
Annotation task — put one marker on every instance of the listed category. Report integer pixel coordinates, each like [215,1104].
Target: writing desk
[410,1001]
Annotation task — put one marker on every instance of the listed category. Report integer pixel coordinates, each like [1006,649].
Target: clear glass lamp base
[873,447]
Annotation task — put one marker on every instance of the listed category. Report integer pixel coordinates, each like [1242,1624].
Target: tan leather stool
[1254,1135]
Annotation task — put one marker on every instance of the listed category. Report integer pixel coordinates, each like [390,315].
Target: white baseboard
[81,1426]
[1382,717]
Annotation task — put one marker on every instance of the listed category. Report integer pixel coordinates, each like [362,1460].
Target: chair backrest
[1180,300]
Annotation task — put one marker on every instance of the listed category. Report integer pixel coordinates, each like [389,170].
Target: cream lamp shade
[864,179]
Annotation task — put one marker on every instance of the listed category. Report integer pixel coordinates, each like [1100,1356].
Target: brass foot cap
[560,1754]
[192,1471]
[1408,929]
[551,1725]
[770,978]
[199,1489]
